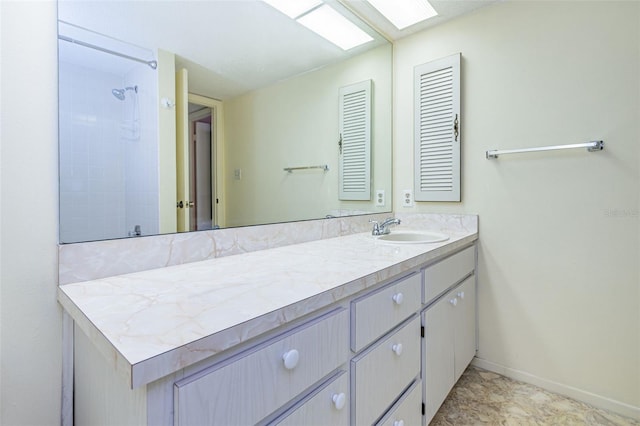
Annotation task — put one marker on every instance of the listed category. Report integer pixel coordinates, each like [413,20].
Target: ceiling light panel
[293,8]
[328,23]
[403,14]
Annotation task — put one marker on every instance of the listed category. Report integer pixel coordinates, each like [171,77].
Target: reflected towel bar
[291,169]
[592,146]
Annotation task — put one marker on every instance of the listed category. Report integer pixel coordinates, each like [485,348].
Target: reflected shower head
[119,93]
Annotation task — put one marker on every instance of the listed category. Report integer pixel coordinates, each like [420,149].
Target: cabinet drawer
[379,375]
[408,410]
[253,386]
[375,314]
[444,274]
[327,406]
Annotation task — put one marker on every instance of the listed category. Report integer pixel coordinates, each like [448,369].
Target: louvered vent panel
[437,148]
[436,131]
[355,126]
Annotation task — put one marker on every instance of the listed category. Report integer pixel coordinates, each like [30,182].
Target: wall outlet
[380,197]
[407,198]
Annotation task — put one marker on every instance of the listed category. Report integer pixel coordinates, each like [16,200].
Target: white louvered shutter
[355,141]
[437,130]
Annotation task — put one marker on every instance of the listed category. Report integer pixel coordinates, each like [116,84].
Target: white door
[202,149]
[213,114]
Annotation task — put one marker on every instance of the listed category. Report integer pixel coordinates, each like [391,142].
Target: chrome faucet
[383,228]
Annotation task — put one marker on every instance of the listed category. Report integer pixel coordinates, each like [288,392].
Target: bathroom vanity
[346,330]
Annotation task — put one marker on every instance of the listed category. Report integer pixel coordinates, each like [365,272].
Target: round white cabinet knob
[398,298]
[454,301]
[291,359]
[461,295]
[339,400]
[398,423]
[397,349]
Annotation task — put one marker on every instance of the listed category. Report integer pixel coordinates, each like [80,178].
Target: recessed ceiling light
[293,8]
[404,13]
[328,23]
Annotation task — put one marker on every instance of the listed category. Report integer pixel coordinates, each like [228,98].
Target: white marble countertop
[150,324]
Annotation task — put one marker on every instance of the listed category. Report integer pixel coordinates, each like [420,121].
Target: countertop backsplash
[99,259]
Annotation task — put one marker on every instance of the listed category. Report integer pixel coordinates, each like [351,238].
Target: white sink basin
[413,237]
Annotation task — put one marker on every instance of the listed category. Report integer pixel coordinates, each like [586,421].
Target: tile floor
[484,398]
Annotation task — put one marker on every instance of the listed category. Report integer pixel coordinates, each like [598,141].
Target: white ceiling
[238,45]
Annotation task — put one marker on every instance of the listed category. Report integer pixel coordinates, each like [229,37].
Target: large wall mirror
[180,116]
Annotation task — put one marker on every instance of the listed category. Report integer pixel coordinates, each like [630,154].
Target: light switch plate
[380,198]
[407,198]
[237,174]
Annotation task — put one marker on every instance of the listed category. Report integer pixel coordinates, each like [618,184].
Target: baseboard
[577,394]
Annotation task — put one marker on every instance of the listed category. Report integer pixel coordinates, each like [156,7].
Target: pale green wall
[558,272]
[30,318]
[276,127]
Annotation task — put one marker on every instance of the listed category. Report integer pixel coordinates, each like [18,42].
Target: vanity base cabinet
[363,361]
[449,344]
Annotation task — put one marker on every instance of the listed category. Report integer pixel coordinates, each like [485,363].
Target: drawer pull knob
[398,298]
[454,301]
[290,359]
[339,400]
[461,295]
[397,349]
[398,423]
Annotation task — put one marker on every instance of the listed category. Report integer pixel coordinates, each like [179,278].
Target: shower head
[119,93]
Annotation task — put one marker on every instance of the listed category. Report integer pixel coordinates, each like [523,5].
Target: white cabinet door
[437,130]
[449,344]
[438,355]
[465,326]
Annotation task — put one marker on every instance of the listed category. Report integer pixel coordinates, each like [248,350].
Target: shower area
[108,138]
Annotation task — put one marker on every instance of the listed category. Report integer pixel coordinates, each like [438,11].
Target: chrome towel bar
[592,146]
[291,169]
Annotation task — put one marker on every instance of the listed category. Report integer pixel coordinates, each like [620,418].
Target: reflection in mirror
[173,125]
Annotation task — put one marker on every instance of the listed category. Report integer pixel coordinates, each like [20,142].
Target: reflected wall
[269,129]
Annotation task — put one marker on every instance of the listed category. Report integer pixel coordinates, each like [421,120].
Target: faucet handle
[376,227]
